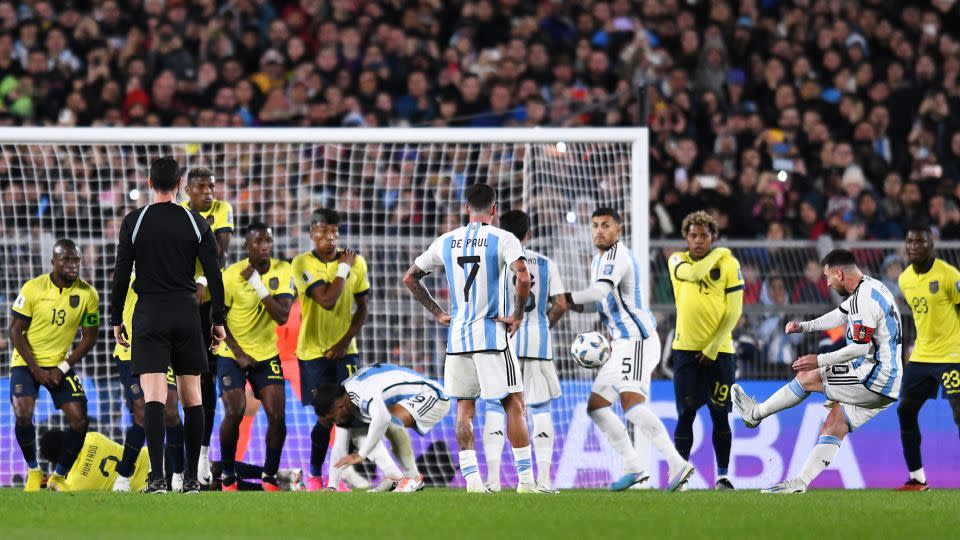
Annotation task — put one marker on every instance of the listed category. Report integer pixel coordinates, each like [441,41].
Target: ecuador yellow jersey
[933,297]
[701,305]
[247,319]
[219,215]
[96,466]
[320,329]
[53,316]
[121,352]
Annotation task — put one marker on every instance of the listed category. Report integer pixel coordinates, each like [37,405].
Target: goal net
[398,190]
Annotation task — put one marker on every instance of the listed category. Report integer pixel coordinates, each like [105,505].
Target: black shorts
[168,335]
[313,373]
[921,380]
[22,384]
[231,376]
[131,383]
[697,385]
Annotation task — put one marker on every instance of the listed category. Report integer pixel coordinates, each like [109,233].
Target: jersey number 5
[472,275]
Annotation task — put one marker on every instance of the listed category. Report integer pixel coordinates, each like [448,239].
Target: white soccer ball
[590,349]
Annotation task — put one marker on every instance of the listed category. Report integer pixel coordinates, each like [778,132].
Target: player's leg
[312,375]
[790,395]
[500,377]
[174,448]
[422,413]
[268,387]
[208,394]
[232,382]
[721,377]
[189,360]
[638,359]
[689,388]
[135,436]
[23,397]
[151,352]
[919,383]
[461,382]
[188,387]
[494,426]
[602,396]
[402,449]
[540,387]
[71,399]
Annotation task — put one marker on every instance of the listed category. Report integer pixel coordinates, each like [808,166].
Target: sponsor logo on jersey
[934,287]
[274,283]
[74,300]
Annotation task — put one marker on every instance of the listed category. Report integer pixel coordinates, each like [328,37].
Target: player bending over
[534,347]
[46,316]
[389,399]
[634,353]
[862,379]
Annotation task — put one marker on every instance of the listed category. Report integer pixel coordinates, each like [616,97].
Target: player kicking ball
[389,399]
[862,379]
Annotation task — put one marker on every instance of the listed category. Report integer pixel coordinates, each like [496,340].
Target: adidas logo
[542,435]
[500,433]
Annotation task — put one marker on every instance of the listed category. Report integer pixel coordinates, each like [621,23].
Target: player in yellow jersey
[201,189]
[708,290]
[931,287]
[46,316]
[330,281]
[258,291]
[135,436]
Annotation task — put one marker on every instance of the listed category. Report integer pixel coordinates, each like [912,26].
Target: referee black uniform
[164,241]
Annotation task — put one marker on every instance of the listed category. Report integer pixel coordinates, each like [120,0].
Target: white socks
[821,456]
[616,433]
[382,459]
[543,435]
[788,396]
[655,432]
[524,462]
[403,450]
[919,476]
[494,426]
[468,466]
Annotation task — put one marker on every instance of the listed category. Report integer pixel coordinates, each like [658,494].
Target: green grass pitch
[450,514]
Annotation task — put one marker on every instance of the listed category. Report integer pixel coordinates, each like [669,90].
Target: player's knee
[907,409]
[514,404]
[277,417]
[835,424]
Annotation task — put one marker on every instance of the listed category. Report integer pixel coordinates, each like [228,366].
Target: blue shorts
[695,385]
[231,376]
[313,373]
[921,380]
[131,383]
[22,384]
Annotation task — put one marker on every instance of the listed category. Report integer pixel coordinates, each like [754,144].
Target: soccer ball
[590,349]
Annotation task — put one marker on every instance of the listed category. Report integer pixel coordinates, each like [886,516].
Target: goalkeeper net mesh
[396,198]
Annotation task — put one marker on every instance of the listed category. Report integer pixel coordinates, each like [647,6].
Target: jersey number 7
[472,276]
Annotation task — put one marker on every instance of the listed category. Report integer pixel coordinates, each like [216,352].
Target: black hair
[50,444]
[199,172]
[165,174]
[516,222]
[256,226]
[480,197]
[919,226]
[325,216]
[65,243]
[838,258]
[326,397]
[607,211]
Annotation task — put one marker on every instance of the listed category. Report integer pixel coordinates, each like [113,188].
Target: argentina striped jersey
[622,311]
[474,258]
[873,317]
[533,339]
[389,382]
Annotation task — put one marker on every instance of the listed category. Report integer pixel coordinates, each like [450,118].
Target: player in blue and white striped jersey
[533,345]
[614,293]
[862,379]
[479,363]
[388,398]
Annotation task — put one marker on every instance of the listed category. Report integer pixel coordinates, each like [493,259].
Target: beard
[842,292]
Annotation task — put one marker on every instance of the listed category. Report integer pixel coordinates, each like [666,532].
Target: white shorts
[628,369]
[484,375]
[841,383]
[540,381]
[427,408]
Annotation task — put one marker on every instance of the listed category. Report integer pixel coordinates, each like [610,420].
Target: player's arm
[825,322]
[379,422]
[327,294]
[244,360]
[207,255]
[121,277]
[731,316]
[520,271]
[223,244]
[278,307]
[89,326]
[558,306]
[694,272]
[412,280]
[357,321]
[16,332]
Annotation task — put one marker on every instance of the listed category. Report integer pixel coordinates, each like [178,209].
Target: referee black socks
[155,429]
[193,420]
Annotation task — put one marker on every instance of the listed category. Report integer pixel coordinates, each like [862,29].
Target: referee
[164,241]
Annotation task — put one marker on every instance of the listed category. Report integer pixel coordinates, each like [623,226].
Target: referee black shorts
[167,333]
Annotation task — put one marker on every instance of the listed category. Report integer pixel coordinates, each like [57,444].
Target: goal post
[399,188]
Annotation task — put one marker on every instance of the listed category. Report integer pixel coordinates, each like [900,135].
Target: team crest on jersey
[274,283]
[934,287]
[227,380]
[74,300]
[715,274]
[135,388]
[608,270]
